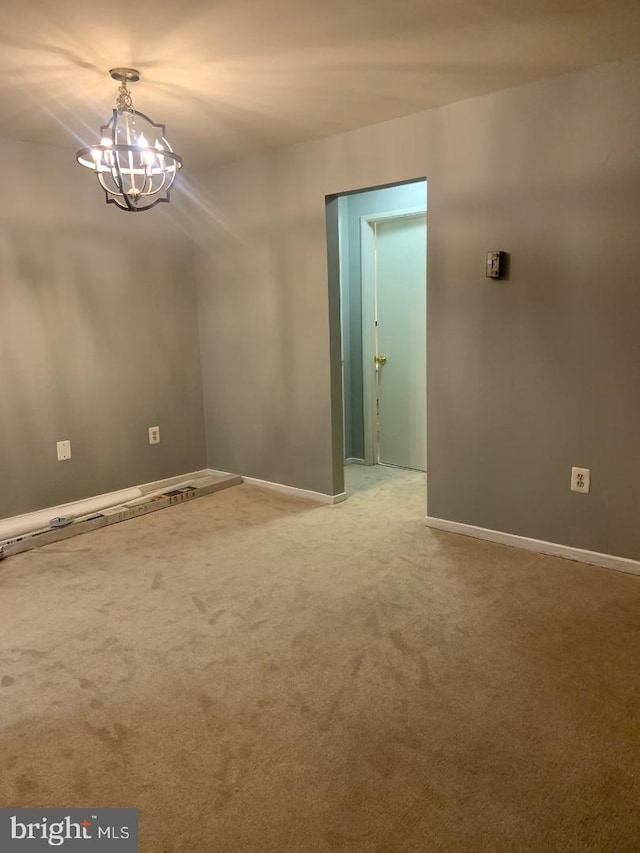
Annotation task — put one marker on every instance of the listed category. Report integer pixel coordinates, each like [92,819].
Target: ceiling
[233,77]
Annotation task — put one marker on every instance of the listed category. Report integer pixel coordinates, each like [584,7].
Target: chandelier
[134,163]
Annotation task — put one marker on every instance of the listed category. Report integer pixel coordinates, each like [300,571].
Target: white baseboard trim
[182,478]
[607,561]
[353,460]
[212,472]
[306,494]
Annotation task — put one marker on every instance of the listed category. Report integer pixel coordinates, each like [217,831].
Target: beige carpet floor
[258,673]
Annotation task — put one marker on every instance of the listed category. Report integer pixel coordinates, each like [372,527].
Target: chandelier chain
[124,101]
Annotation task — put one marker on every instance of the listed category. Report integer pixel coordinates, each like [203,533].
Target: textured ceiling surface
[233,77]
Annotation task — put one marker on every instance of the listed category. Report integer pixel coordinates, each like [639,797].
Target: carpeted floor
[257,673]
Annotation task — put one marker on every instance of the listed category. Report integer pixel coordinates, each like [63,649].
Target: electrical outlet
[64,450]
[154,435]
[581,480]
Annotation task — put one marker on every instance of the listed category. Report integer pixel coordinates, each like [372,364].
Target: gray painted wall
[355,206]
[264,321]
[526,377]
[98,337]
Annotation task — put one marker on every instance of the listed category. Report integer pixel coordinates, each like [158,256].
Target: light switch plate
[64,450]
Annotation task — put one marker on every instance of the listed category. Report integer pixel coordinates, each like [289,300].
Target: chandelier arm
[117,177]
[127,127]
[148,179]
[163,181]
[116,174]
[151,185]
[108,191]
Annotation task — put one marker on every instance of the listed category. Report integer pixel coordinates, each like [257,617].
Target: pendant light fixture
[134,163]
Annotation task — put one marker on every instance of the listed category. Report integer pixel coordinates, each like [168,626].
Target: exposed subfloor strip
[175,494]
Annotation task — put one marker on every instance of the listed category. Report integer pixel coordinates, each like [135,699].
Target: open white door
[395,359]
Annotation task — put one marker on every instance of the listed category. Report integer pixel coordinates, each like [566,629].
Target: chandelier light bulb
[136,168]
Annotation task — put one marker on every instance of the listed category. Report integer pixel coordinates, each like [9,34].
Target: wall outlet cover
[581,480]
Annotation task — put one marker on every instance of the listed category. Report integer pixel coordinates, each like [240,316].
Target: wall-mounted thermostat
[495,264]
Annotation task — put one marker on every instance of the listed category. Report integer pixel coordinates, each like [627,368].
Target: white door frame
[342,279]
[368,268]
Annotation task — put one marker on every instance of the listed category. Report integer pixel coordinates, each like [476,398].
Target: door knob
[380,359]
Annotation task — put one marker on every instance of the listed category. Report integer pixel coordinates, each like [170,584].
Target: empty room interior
[319,479]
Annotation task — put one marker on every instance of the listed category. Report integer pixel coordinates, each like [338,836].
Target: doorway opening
[379,268]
